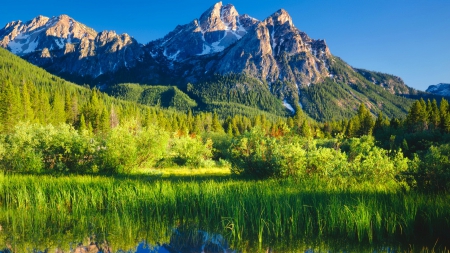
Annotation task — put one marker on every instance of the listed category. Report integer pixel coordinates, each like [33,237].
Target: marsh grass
[42,210]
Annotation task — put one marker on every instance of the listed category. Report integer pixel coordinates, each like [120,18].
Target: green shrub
[434,170]
[255,155]
[190,151]
[130,146]
[49,149]
[221,144]
[326,163]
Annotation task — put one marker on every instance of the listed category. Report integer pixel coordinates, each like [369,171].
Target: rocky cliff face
[64,45]
[271,50]
[392,84]
[216,29]
[277,51]
[43,32]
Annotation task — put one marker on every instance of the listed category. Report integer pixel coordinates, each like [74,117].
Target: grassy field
[53,211]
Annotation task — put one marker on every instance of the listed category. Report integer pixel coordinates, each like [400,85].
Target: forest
[51,129]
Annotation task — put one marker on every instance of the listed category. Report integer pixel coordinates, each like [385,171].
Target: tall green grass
[42,210]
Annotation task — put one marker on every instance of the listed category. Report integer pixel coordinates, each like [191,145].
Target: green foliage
[368,162]
[255,155]
[433,172]
[237,89]
[190,151]
[130,146]
[49,149]
[338,97]
[245,211]
[220,144]
[164,96]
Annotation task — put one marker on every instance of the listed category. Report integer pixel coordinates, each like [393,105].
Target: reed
[45,209]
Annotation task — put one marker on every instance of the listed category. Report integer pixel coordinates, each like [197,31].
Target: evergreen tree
[216,126]
[299,116]
[417,116]
[305,130]
[443,112]
[28,113]
[433,115]
[58,112]
[104,122]
[9,106]
[82,125]
[366,122]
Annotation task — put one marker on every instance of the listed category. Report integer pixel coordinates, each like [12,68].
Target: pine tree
[434,117]
[82,125]
[417,116]
[58,113]
[299,116]
[28,113]
[9,106]
[443,112]
[352,128]
[44,108]
[305,130]
[104,122]
[216,126]
[366,122]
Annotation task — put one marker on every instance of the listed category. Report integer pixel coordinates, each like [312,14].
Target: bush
[129,146]
[221,144]
[369,163]
[190,151]
[256,155]
[49,149]
[434,170]
[326,163]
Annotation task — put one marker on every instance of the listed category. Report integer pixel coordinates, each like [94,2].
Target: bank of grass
[146,206]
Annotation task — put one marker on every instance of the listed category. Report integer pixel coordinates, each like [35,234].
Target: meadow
[45,212]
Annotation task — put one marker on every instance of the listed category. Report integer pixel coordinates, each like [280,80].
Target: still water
[188,239]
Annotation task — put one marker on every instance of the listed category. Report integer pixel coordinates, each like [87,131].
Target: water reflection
[192,240]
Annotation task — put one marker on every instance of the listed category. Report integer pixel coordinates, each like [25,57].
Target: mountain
[442,89]
[63,45]
[221,57]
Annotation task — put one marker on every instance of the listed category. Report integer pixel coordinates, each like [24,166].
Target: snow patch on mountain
[288,106]
[442,89]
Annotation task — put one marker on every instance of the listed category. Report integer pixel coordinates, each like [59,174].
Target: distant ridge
[442,89]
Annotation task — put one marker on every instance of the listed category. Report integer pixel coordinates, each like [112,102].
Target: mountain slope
[63,45]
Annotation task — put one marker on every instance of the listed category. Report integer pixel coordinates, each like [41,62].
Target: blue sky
[407,38]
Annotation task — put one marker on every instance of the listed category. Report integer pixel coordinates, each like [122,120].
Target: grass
[46,210]
[218,171]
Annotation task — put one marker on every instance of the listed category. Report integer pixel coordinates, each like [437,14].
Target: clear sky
[407,38]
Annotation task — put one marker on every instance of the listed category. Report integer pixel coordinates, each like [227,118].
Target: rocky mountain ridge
[279,59]
[61,44]
[442,89]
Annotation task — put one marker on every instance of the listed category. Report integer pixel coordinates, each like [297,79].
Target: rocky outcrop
[392,84]
[43,32]
[216,29]
[64,45]
[442,89]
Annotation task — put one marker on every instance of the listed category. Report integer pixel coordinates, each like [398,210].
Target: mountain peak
[442,89]
[211,20]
